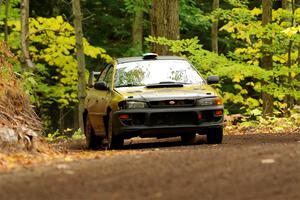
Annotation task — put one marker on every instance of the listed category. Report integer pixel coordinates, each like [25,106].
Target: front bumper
[166,122]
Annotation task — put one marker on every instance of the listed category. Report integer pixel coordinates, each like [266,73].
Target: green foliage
[65,135]
[53,50]
[241,82]
[13,10]
[78,135]
[247,29]
[55,136]
[238,124]
[108,24]
[53,85]
[132,6]
[192,16]
[274,124]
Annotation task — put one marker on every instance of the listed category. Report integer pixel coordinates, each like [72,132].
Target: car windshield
[147,72]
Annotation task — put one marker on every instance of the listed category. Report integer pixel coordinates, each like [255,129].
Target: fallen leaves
[59,158]
[17,116]
[240,125]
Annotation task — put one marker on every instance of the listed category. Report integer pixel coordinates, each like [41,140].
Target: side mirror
[213,80]
[101,86]
[91,78]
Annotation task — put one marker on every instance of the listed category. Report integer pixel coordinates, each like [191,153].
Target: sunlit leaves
[241,82]
[291,31]
[53,50]
[246,28]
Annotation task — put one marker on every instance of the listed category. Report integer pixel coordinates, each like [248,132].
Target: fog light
[219,101]
[199,116]
[123,116]
[219,113]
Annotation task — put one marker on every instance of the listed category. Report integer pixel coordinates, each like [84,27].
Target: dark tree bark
[297,5]
[289,5]
[25,58]
[298,59]
[215,29]
[267,59]
[6,19]
[80,59]
[137,27]
[0,5]
[164,22]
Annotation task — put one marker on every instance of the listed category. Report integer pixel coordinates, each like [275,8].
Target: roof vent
[148,56]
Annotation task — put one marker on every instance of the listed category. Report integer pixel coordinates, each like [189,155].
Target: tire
[114,142]
[188,138]
[215,136]
[93,141]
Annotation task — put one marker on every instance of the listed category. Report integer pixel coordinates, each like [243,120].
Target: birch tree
[25,58]
[80,60]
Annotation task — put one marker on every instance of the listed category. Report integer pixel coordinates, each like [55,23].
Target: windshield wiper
[128,85]
[165,84]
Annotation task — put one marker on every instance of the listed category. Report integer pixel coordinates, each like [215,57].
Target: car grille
[171,103]
[170,118]
[182,118]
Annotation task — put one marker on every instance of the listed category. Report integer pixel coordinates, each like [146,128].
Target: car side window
[108,77]
[103,73]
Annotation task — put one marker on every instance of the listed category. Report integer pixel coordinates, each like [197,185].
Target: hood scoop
[165,85]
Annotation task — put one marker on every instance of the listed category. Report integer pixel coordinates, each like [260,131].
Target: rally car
[151,96]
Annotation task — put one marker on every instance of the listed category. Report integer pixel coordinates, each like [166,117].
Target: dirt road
[244,167]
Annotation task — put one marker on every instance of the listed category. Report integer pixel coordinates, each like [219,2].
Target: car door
[98,100]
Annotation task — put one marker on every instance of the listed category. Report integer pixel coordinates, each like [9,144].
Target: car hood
[155,94]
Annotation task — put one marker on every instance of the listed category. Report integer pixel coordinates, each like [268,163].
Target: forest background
[254,46]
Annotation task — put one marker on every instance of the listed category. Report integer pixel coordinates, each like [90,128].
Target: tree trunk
[164,22]
[5,21]
[25,58]
[137,28]
[298,76]
[298,57]
[297,5]
[289,100]
[81,61]
[215,29]
[0,5]
[267,59]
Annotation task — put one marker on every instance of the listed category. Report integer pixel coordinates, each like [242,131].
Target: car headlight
[132,105]
[209,101]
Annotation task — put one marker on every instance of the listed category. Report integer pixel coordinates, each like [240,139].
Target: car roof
[140,58]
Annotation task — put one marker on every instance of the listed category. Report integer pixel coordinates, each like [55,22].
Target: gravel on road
[243,167]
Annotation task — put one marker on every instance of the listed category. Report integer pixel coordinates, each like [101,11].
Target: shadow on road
[229,141]
[137,143]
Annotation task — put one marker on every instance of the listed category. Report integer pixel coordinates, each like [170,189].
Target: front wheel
[114,142]
[215,136]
